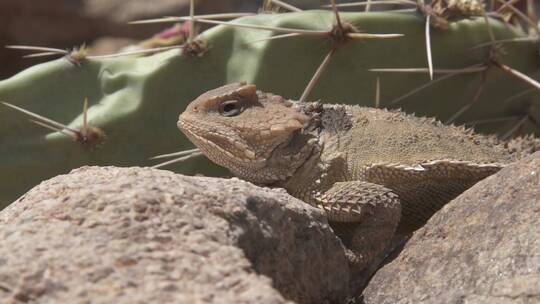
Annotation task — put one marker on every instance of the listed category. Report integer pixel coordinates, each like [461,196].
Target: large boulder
[139,235]
[483,247]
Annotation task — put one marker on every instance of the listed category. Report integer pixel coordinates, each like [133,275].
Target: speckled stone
[483,247]
[140,235]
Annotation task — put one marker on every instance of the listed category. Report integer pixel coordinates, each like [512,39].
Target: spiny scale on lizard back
[381,136]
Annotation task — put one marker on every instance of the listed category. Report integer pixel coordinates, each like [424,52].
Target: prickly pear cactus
[134,101]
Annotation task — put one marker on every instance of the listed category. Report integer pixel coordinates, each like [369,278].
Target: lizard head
[259,137]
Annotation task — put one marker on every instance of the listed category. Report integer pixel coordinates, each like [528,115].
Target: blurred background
[101,24]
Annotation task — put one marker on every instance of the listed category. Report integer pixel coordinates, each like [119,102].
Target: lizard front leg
[364,215]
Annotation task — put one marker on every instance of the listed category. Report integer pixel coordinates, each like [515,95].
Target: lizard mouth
[215,145]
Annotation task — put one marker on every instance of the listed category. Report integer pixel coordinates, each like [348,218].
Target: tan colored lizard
[375,172]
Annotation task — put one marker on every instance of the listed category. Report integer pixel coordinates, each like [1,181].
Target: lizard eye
[230,108]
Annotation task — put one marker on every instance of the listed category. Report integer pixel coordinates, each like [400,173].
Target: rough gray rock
[483,247]
[139,235]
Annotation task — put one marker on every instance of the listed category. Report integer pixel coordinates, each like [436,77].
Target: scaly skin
[369,169]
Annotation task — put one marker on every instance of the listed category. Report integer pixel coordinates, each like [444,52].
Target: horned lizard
[376,173]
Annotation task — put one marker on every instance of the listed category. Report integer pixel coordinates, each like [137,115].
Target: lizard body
[375,172]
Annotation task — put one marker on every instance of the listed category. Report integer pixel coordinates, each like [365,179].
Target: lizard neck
[327,164]
[305,181]
[286,158]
